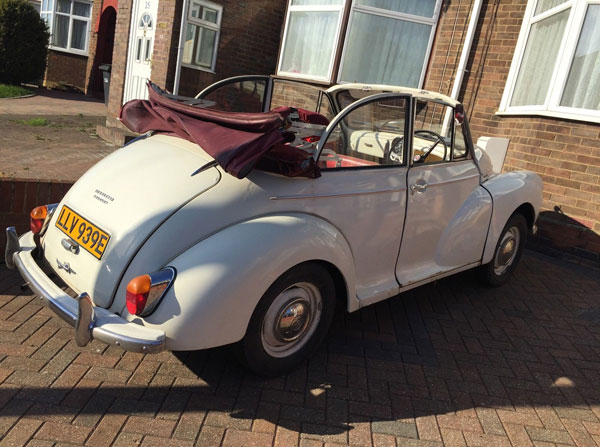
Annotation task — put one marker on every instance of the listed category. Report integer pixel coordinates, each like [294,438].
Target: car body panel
[215,294]
[123,195]
[509,191]
[433,216]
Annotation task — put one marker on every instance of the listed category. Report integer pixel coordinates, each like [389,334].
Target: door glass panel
[241,96]
[583,84]
[431,141]
[138,51]
[147,51]
[370,135]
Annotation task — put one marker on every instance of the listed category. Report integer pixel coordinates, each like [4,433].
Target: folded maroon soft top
[237,141]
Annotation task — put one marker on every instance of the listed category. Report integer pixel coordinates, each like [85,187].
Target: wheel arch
[512,192]
[216,293]
[528,212]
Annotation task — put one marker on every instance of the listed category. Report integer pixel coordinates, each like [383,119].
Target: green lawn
[11,91]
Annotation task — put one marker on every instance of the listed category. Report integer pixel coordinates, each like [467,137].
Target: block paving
[452,363]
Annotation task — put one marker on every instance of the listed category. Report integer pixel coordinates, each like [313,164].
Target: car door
[362,188]
[447,212]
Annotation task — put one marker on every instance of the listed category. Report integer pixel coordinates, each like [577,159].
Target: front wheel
[290,321]
[507,253]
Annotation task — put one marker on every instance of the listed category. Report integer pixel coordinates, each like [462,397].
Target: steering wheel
[428,151]
[393,151]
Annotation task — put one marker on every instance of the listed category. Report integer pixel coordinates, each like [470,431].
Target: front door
[447,211]
[362,189]
[141,44]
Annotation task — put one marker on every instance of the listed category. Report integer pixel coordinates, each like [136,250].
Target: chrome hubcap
[507,250]
[291,319]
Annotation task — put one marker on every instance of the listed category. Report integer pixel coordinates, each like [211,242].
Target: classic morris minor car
[252,213]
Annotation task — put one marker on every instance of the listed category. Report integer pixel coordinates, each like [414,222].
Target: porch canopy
[238,142]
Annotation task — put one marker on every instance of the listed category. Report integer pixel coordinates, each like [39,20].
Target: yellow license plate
[82,231]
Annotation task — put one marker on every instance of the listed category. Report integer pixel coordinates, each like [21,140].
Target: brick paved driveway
[447,364]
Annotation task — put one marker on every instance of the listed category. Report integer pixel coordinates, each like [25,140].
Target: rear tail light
[39,218]
[145,292]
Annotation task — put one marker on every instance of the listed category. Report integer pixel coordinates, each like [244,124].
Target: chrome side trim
[343,194]
[12,247]
[104,325]
[460,179]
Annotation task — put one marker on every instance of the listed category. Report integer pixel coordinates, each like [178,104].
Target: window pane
[61,31]
[81,9]
[46,18]
[78,34]
[44,5]
[64,6]
[370,135]
[210,15]
[583,84]
[246,96]
[50,5]
[539,59]
[400,50]
[206,47]
[188,46]
[429,134]
[317,2]
[545,5]
[308,47]
[138,51]
[423,8]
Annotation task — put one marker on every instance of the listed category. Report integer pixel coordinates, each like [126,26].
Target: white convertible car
[373,190]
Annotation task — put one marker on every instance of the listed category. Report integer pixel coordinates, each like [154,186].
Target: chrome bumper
[89,321]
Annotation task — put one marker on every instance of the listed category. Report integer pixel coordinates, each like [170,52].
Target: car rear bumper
[88,320]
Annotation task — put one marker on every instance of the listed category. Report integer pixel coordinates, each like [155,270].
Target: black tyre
[290,322]
[507,252]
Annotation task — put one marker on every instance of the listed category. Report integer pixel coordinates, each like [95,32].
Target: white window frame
[54,11]
[312,8]
[433,21]
[562,67]
[203,24]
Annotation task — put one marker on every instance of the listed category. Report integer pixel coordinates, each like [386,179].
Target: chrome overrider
[90,322]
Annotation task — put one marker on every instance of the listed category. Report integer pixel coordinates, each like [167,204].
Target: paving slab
[450,363]
[49,148]
[53,102]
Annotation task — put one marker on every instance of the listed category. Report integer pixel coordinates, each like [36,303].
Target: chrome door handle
[418,187]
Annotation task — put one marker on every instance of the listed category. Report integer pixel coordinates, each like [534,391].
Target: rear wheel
[290,321]
[507,252]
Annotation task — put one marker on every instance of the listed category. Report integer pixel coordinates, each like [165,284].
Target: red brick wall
[166,41]
[19,197]
[249,43]
[66,68]
[119,62]
[566,154]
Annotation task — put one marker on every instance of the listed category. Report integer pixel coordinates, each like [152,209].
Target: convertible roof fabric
[237,141]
